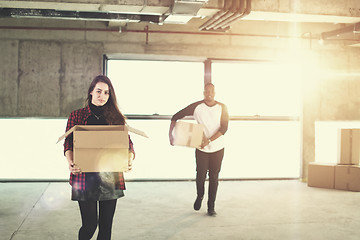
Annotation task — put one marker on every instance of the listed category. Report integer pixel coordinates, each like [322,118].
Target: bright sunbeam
[266,89]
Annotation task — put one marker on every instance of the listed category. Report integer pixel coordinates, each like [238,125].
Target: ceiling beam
[130,6]
[77,15]
[335,11]
[348,8]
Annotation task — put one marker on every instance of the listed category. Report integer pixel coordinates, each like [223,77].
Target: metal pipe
[228,13]
[148,31]
[212,19]
[223,19]
[222,12]
[239,9]
[245,13]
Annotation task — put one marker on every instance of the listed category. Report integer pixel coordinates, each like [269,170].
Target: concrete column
[310,112]
[207,71]
[81,62]
[39,77]
[309,115]
[9,77]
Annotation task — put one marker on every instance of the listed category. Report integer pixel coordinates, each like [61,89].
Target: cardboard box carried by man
[188,134]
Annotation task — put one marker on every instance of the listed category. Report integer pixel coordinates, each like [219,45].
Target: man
[214,117]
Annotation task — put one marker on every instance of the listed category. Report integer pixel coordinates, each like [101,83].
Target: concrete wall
[46,78]
[331,93]
[45,73]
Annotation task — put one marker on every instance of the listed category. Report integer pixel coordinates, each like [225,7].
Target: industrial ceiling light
[79,15]
[182,11]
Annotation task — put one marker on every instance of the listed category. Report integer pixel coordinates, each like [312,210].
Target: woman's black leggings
[90,219]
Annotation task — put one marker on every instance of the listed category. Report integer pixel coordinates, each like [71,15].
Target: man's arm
[187,111]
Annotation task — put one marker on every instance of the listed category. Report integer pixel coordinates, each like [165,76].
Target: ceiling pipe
[239,9]
[148,31]
[232,11]
[222,12]
[243,11]
[228,13]
[244,14]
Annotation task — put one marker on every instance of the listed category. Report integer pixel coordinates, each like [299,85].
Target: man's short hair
[209,84]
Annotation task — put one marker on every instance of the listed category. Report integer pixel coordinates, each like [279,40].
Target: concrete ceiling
[335,11]
[165,12]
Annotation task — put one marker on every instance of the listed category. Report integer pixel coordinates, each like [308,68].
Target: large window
[30,150]
[254,149]
[258,88]
[261,149]
[156,87]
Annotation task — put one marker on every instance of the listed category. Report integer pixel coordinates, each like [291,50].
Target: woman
[101,189]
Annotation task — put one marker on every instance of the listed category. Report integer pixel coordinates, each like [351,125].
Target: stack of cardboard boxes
[345,174]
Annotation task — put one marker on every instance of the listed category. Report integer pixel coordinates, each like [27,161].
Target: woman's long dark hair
[112,113]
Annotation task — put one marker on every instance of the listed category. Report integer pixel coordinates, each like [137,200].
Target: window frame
[207,79]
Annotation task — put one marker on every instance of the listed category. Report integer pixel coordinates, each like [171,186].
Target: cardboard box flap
[67,133]
[137,131]
[102,128]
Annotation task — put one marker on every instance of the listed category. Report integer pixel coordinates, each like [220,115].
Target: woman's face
[100,94]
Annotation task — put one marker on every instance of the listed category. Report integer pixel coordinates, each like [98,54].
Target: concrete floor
[163,210]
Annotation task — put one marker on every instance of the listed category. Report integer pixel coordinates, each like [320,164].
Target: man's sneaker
[197,203]
[211,212]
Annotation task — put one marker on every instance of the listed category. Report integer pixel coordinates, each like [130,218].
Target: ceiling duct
[350,33]
[188,7]
[184,10]
[78,15]
[232,11]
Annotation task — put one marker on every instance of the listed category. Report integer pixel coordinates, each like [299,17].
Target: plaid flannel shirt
[80,117]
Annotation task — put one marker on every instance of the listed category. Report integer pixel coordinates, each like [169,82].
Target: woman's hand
[74,169]
[130,160]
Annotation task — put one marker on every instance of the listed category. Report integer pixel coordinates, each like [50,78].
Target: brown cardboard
[354,183]
[188,134]
[355,149]
[349,146]
[101,148]
[347,177]
[321,175]
[101,160]
[99,127]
